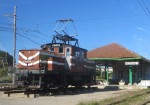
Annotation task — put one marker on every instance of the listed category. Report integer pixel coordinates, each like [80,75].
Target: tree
[6,61]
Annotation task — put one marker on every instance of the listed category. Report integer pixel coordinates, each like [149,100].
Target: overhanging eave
[115,59]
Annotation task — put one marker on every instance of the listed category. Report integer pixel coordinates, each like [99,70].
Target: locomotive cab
[73,55]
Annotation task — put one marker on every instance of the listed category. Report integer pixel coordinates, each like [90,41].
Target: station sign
[56,45]
[131,63]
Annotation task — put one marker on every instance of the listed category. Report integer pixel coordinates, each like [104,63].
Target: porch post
[106,73]
[141,70]
[130,74]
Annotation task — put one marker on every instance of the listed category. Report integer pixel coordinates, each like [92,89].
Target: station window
[61,50]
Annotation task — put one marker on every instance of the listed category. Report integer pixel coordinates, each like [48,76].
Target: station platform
[128,87]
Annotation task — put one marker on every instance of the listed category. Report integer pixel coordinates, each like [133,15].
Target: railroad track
[73,91]
[50,92]
[132,96]
[146,103]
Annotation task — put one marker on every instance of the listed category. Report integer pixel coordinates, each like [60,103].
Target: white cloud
[140,28]
[140,39]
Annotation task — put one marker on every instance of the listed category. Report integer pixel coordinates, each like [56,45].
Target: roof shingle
[112,50]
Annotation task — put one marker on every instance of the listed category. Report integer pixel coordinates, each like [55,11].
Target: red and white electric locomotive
[56,64]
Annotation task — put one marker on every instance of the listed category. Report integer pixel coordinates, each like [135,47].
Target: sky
[98,23]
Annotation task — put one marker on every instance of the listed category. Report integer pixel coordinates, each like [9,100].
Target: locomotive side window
[82,54]
[77,53]
[60,50]
[51,49]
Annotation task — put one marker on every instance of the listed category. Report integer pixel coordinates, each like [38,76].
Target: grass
[6,79]
[132,98]
[89,103]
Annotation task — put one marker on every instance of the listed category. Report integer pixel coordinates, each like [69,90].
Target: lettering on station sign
[131,63]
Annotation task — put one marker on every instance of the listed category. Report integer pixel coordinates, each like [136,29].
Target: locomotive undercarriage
[54,79]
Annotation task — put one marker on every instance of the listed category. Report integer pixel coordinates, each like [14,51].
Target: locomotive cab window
[67,52]
[60,50]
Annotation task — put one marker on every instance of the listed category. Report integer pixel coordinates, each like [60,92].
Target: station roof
[113,51]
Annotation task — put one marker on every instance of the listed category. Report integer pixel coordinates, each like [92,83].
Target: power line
[25,21]
[6,29]
[28,39]
[143,8]
[35,31]
[36,36]
[44,34]
[114,17]
[28,31]
[146,6]
[94,19]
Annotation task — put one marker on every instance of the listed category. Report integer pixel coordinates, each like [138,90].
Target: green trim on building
[130,74]
[107,73]
[115,59]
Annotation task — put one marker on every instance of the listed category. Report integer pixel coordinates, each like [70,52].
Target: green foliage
[89,103]
[6,61]
[3,72]
[6,58]
[101,74]
[130,98]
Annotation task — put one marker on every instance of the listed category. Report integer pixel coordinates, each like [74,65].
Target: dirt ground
[60,99]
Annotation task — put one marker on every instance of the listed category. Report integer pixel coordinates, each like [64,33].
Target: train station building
[127,65]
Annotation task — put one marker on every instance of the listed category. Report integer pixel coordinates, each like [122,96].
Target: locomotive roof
[60,44]
[30,50]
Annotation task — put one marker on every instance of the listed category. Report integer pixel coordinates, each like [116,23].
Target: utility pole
[14,38]
[14,46]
